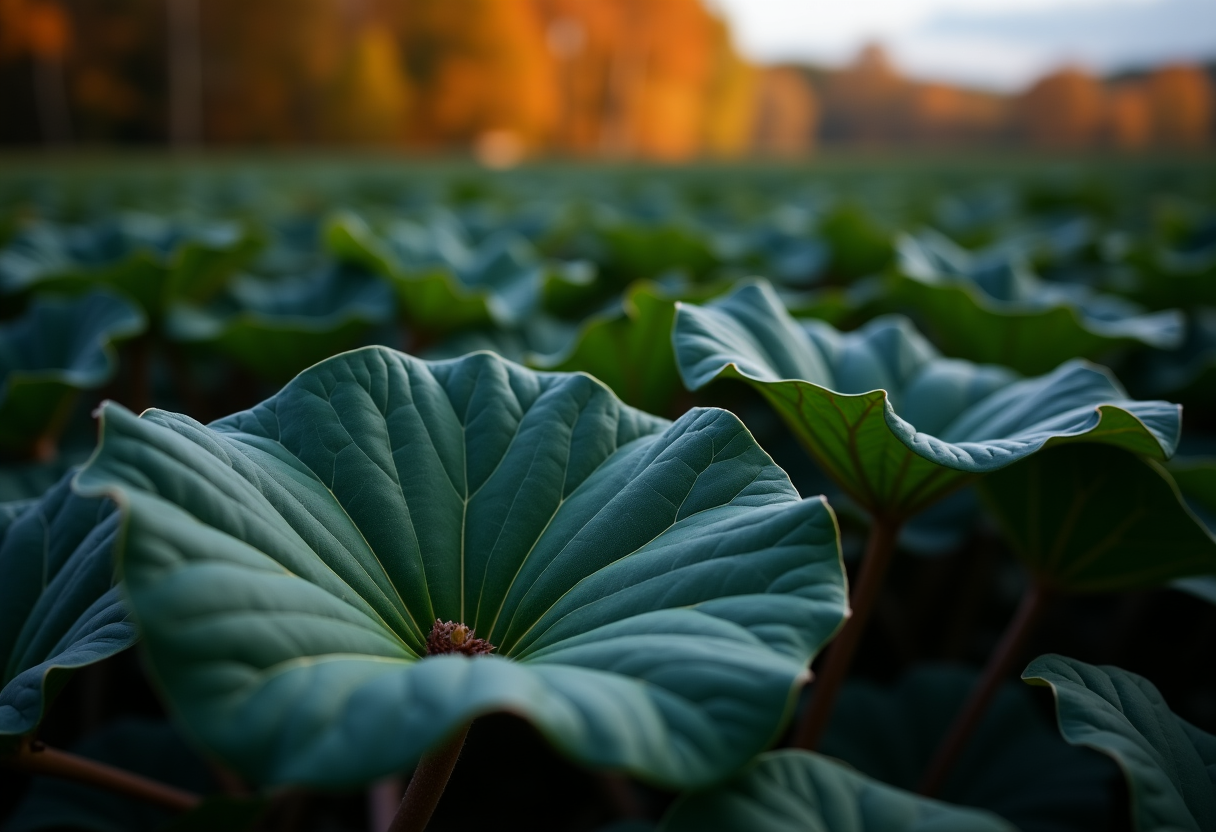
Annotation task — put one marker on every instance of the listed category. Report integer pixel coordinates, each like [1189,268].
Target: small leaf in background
[59,347]
[797,791]
[59,606]
[1169,764]
[630,350]
[1015,764]
[1082,518]
[993,309]
[276,328]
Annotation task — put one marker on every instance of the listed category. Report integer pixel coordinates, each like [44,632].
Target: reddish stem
[1029,611]
[427,785]
[879,548]
[36,758]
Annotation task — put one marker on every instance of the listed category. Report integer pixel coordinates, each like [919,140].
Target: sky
[994,44]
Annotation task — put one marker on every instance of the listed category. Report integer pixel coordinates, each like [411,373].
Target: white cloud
[998,43]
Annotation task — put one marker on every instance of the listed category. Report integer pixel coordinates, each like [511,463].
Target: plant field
[365,496]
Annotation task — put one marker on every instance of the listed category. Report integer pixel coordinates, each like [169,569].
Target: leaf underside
[892,422]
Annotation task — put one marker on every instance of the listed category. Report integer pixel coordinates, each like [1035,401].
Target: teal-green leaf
[654,590]
[59,606]
[59,347]
[796,791]
[993,309]
[1083,518]
[895,424]
[1015,764]
[1169,764]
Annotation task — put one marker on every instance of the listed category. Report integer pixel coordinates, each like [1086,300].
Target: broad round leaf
[796,791]
[653,590]
[1082,518]
[889,419]
[59,347]
[993,309]
[1014,765]
[1169,764]
[59,606]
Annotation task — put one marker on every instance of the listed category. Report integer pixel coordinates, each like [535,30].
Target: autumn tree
[1063,111]
[40,31]
[476,66]
[787,114]
[1180,99]
[730,97]
[862,103]
[1129,117]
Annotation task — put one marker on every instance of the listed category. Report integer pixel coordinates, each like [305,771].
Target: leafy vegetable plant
[299,558]
[530,576]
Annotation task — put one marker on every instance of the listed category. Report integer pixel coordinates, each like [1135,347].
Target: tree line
[583,78]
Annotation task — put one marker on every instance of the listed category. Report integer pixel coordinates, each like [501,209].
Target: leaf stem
[1029,611]
[37,758]
[879,548]
[427,785]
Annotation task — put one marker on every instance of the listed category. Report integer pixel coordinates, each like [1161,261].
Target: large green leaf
[796,791]
[1088,519]
[442,287]
[889,419]
[653,590]
[993,309]
[277,328]
[59,606]
[59,347]
[1014,765]
[1169,764]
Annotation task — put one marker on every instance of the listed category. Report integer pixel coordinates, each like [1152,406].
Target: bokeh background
[665,80]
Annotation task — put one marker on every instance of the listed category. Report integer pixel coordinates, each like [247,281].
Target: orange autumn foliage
[1063,111]
[1130,117]
[40,28]
[1180,98]
[787,114]
[476,66]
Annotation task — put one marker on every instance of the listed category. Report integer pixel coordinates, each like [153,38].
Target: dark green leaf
[795,791]
[450,287]
[59,347]
[995,310]
[1014,765]
[1088,519]
[1169,764]
[629,350]
[59,607]
[278,328]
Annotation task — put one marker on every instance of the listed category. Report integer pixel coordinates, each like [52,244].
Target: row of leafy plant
[545,515]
